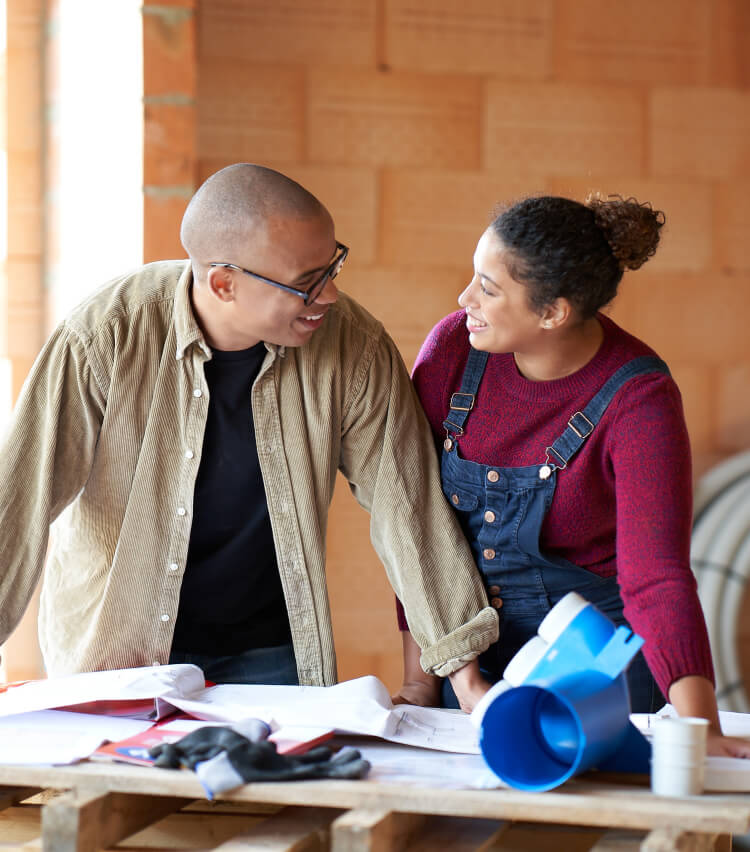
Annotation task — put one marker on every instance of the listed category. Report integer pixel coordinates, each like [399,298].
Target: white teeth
[313,317]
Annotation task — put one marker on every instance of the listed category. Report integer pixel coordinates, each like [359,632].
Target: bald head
[234,202]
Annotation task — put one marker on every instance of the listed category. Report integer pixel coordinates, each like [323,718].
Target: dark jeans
[274,665]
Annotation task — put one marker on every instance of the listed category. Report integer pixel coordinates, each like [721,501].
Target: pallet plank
[10,796]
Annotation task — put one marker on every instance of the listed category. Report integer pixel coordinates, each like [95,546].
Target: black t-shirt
[231,597]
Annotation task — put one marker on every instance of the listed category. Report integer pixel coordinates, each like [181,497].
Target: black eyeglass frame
[314,290]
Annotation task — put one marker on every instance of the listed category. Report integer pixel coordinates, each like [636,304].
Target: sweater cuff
[683,661]
[460,647]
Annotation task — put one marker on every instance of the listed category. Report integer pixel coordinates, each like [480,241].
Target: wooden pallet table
[96,806]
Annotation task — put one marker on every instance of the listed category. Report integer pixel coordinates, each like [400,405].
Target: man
[187,422]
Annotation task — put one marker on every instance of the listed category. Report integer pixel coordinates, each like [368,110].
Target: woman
[564,449]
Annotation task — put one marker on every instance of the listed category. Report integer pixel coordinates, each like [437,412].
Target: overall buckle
[582,426]
[466,398]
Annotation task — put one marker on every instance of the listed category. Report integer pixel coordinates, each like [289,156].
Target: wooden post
[86,821]
[676,840]
[363,830]
[293,829]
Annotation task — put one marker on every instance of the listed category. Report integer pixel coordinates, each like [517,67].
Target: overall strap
[582,423]
[463,401]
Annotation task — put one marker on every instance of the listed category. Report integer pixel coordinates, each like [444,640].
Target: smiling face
[499,317]
[237,310]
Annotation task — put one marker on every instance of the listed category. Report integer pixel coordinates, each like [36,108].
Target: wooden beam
[676,840]
[85,821]
[364,830]
[10,796]
[293,829]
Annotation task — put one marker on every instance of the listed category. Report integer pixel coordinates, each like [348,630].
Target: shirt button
[496,602]
[488,553]
[189,454]
[494,590]
[174,566]
[489,516]
[197,392]
[493,476]
[454,499]
[181,510]
[164,616]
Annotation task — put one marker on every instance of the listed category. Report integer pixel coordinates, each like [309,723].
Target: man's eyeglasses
[313,291]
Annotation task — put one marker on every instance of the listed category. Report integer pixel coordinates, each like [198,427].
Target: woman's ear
[556,314]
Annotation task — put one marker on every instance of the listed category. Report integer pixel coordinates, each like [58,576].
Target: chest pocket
[462,500]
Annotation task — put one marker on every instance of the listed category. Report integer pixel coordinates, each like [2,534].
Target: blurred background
[409,119]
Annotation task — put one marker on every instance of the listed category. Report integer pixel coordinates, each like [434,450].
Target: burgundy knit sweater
[623,506]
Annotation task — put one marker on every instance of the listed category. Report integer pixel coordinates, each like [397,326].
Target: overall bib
[501,511]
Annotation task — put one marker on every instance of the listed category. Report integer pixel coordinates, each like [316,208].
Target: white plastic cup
[682,730]
[673,752]
[677,779]
[525,661]
[678,756]
[560,616]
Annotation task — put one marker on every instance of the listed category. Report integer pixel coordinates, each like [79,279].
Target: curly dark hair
[558,247]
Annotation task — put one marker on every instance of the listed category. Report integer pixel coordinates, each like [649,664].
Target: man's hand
[469,685]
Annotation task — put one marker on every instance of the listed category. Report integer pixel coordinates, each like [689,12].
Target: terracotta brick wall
[411,119]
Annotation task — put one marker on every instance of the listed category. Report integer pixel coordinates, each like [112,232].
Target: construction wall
[411,118]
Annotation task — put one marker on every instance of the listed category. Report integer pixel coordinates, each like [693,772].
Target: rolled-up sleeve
[388,456]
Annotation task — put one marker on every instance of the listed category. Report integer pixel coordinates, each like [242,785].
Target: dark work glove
[224,759]
[205,743]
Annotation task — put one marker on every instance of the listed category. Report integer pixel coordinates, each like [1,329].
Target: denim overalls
[501,511]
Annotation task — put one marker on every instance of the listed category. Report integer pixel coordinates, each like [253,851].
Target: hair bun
[630,227]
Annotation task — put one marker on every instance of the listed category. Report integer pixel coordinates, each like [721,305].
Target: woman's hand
[694,696]
[720,746]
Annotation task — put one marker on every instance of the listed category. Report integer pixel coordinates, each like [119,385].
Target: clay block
[307,32]
[250,112]
[552,129]
[653,43]
[358,118]
[499,37]
[704,133]
[435,217]
[732,218]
